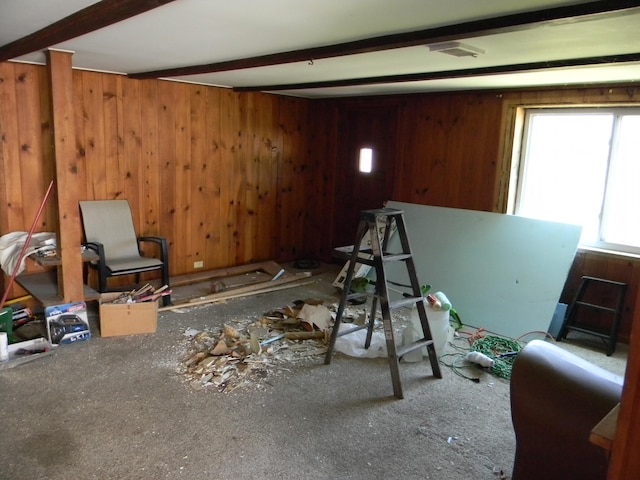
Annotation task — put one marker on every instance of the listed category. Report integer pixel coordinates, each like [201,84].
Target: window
[365,162]
[582,166]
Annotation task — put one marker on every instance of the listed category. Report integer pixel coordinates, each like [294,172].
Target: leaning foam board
[501,272]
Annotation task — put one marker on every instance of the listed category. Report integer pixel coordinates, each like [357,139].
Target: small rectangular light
[366,160]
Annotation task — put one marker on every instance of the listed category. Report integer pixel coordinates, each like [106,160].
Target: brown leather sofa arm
[556,399]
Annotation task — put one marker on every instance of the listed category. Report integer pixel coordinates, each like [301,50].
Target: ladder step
[590,331]
[395,257]
[598,307]
[402,351]
[365,255]
[355,328]
[358,296]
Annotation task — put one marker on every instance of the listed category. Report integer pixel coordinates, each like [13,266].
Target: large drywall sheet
[501,272]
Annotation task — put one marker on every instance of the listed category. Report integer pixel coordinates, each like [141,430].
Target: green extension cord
[496,348]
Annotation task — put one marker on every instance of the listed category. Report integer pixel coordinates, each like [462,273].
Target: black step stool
[615,311]
[373,252]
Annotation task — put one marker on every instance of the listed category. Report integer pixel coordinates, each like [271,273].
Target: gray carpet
[121,408]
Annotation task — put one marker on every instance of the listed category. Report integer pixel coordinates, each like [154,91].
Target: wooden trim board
[264,287]
[270,267]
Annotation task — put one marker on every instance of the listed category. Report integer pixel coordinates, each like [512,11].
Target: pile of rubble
[244,356]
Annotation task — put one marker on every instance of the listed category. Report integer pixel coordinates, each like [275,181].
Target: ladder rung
[394,257]
[404,301]
[354,329]
[589,331]
[598,307]
[359,295]
[603,280]
[402,351]
[345,253]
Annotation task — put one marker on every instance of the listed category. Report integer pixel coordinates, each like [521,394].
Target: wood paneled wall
[223,176]
[232,178]
[454,150]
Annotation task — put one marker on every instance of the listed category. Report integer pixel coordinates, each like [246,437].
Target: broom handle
[25,246]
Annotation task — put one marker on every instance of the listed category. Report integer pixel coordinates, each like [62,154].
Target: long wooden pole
[26,245]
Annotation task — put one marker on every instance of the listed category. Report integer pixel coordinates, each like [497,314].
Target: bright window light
[366,160]
[581,166]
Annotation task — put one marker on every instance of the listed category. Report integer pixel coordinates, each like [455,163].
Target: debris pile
[246,354]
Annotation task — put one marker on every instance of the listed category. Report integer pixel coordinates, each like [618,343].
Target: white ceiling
[195,32]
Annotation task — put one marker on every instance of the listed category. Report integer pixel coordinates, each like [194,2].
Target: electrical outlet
[198,264]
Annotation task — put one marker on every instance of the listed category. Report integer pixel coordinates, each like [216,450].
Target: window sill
[611,253]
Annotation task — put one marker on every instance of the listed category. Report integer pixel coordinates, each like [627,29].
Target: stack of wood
[237,356]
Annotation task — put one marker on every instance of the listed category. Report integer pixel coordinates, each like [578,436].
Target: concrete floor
[119,408]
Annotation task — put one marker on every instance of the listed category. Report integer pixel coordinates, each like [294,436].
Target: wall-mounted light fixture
[365,164]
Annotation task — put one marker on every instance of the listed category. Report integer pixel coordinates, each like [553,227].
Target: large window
[582,166]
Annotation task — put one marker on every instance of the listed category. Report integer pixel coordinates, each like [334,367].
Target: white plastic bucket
[441,331]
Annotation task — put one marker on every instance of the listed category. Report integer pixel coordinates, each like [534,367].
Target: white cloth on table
[11,245]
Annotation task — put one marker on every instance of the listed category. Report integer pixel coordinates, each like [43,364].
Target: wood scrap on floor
[285,281]
[245,354]
[269,268]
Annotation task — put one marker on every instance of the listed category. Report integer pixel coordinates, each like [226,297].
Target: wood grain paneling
[454,150]
[231,178]
[209,169]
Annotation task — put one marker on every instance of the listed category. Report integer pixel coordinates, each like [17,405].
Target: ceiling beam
[93,17]
[491,26]
[448,74]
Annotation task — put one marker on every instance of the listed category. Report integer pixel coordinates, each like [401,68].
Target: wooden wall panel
[166,167]
[199,195]
[30,154]
[202,166]
[149,169]
[322,141]
[12,214]
[183,177]
[454,150]
[212,170]
[295,178]
[447,150]
[231,178]
[91,132]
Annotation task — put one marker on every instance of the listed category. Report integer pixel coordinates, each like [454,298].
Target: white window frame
[519,159]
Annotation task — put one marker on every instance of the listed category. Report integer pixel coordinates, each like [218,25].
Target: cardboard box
[118,319]
[67,323]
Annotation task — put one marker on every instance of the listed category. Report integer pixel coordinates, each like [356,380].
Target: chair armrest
[96,247]
[556,399]
[162,242]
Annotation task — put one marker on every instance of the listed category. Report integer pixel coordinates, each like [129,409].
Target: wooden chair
[109,231]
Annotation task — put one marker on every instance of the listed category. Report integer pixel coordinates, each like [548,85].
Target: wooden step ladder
[374,224]
[613,310]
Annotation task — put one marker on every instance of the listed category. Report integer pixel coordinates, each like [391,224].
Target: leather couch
[556,399]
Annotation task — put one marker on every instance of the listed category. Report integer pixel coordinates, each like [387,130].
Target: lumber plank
[270,267]
[255,287]
[232,295]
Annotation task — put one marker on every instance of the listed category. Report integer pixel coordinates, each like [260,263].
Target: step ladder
[614,310]
[374,224]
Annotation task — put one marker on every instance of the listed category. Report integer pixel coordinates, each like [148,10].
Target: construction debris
[245,354]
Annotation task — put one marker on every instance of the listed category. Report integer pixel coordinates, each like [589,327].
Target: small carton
[117,319]
[67,323]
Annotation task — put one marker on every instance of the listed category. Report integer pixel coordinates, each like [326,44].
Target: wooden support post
[59,69]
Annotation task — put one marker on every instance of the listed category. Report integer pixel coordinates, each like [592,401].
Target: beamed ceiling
[335,48]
